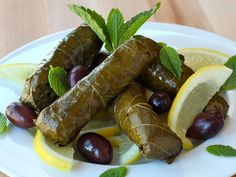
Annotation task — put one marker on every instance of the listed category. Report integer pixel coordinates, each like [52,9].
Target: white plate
[17,157]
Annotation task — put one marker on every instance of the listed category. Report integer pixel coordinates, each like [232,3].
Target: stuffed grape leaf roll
[63,120]
[78,47]
[157,76]
[143,126]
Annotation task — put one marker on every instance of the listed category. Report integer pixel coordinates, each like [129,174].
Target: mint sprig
[115,172]
[58,80]
[115,32]
[132,26]
[170,59]
[230,84]
[115,24]
[221,150]
[95,21]
[3,122]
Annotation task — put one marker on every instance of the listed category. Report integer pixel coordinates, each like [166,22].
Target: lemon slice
[130,156]
[197,58]
[193,96]
[58,157]
[129,152]
[16,72]
[103,124]
[116,141]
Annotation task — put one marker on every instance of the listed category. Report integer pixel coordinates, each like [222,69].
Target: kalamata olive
[101,56]
[77,73]
[206,125]
[95,148]
[160,102]
[20,115]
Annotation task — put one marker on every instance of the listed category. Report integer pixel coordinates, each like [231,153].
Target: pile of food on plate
[137,97]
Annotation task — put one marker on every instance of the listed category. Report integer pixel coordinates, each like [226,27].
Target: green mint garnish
[115,172]
[230,84]
[116,31]
[221,150]
[3,123]
[58,80]
[170,59]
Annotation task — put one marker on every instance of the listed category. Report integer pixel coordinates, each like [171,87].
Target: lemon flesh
[103,124]
[196,58]
[129,152]
[116,141]
[193,96]
[58,157]
[106,131]
[131,156]
[17,72]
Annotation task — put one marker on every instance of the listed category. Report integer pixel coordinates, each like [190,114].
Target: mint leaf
[231,82]
[132,26]
[162,44]
[170,59]
[108,46]
[115,172]
[221,150]
[94,20]
[116,31]
[115,22]
[3,123]
[58,79]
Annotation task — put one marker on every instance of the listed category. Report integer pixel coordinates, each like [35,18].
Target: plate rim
[147,26]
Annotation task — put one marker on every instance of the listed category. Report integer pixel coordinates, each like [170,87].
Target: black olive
[206,125]
[160,102]
[95,148]
[20,115]
[77,73]
[101,56]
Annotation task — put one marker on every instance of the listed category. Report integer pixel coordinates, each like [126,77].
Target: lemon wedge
[192,97]
[196,58]
[58,157]
[16,72]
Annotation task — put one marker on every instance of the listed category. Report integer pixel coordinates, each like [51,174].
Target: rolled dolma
[63,120]
[157,76]
[78,47]
[137,119]
[217,103]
